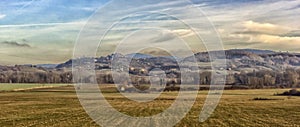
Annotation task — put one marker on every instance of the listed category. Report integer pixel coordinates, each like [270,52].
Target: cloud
[163,37]
[264,28]
[2,16]
[265,33]
[273,39]
[251,24]
[264,38]
[42,35]
[262,35]
[184,32]
[54,40]
[294,33]
[15,44]
[51,25]
[42,24]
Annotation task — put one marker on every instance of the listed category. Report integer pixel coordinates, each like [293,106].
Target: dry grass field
[24,86]
[60,107]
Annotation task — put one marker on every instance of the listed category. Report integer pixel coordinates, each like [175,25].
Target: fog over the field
[45,31]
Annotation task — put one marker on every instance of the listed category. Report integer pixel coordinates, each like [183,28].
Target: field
[59,106]
[20,87]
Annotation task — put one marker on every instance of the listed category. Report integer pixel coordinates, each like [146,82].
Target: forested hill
[249,68]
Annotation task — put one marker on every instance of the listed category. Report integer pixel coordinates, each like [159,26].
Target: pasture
[28,86]
[59,106]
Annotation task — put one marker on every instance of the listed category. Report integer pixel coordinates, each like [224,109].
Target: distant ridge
[138,55]
[49,66]
[254,51]
[237,59]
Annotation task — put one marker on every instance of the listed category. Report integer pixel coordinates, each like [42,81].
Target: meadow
[26,86]
[59,106]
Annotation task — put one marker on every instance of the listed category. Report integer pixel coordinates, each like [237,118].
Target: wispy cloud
[52,26]
[42,24]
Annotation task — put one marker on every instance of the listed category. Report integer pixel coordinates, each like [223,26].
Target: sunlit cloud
[264,28]
[266,35]
[273,39]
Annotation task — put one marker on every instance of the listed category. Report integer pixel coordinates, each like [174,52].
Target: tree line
[254,79]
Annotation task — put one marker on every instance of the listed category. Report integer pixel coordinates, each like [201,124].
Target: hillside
[237,59]
[249,68]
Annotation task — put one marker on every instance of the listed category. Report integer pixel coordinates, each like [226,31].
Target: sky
[45,31]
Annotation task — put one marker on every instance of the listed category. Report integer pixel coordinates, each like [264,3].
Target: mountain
[138,56]
[67,64]
[254,51]
[251,68]
[237,60]
[50,66]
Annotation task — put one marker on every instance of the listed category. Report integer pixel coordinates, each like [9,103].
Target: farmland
[59,106]
[26,86]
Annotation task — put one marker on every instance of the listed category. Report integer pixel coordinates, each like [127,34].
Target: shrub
[292,92]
